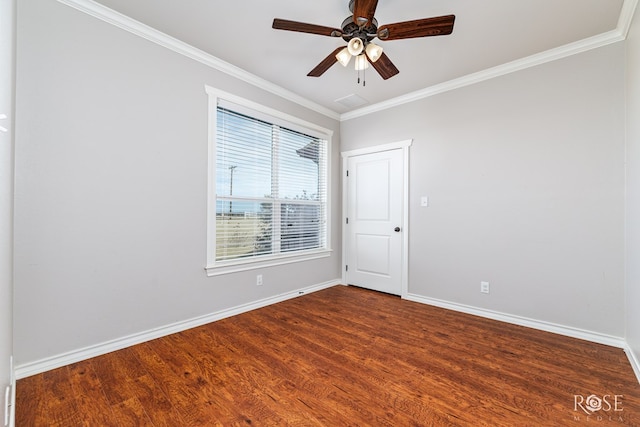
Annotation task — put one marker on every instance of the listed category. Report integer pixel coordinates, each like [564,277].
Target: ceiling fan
[359,29]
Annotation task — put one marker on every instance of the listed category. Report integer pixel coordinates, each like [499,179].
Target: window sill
[221,268]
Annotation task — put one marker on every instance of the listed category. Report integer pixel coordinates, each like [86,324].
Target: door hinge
[347,173]
[346,268]
[347,220]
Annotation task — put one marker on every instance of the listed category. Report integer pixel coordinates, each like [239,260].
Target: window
[268,189]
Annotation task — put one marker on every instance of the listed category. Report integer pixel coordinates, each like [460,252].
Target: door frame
[404,146]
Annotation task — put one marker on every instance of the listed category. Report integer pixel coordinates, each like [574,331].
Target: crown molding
[137,28]
[613,36]
[626,16]
[126,23]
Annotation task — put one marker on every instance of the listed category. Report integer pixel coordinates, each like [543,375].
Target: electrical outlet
[259,280]
[484,287]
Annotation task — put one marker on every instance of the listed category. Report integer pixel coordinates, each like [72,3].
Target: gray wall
[111,187]
[633,188]
[525,178]
[7,64]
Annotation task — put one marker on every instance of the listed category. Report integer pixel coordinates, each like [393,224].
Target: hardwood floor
[342,356]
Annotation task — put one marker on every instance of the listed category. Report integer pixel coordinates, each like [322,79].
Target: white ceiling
[487,34]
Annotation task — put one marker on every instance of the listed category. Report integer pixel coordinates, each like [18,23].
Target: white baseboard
[43,365]
[523,321]
[634,360]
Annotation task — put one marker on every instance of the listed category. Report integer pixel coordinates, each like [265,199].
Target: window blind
[270,188]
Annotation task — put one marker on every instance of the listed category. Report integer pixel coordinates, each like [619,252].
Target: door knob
[397,229]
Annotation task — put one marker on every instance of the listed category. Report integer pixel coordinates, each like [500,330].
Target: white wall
[111,187]
[525,178]
[7,65]
[633,191]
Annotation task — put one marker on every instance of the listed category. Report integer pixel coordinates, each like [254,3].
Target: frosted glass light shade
[374,52]
[355,46]
[361,63]
[343,57]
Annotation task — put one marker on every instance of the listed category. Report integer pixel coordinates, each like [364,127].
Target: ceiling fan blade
[302,27]
[384,66]
[438,26]
[325,64]
[364,9]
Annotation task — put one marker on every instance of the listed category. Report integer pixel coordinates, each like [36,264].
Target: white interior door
[374,225]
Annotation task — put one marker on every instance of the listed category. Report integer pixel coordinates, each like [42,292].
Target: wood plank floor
[343,356]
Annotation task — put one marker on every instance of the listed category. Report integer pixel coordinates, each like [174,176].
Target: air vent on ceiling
[351,101]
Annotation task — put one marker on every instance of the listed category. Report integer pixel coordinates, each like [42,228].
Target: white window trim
[215,268]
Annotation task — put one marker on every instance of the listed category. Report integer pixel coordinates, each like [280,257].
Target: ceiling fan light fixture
[355,46]
[359,29]
[361,62]
[373,51]
[344,57]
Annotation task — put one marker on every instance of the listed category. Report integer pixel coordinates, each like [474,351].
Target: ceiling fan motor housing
[366,33]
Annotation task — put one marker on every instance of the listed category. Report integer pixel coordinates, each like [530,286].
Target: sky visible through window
[243,170]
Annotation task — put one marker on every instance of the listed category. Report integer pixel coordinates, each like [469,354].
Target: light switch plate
[424,201]
[484,287]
